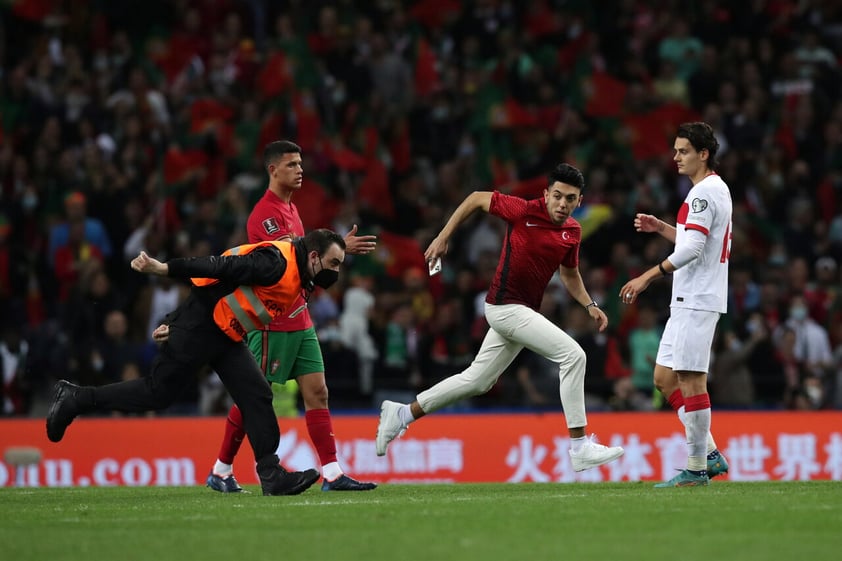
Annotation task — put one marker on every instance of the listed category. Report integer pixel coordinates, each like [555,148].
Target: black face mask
[325,278]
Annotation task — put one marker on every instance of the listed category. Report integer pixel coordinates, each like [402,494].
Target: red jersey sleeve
[507,207]
[263,227]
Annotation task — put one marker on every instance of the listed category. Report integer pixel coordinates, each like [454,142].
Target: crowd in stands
[140,125]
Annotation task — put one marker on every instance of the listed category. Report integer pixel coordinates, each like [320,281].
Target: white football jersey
[703,283]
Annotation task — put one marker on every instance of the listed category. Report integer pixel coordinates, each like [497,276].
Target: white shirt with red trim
[703,283]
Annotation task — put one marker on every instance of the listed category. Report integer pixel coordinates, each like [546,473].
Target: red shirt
[533,250]
[272,219]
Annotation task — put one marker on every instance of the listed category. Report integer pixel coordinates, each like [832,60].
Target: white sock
[405,414]
[697,428]
[577,443]
[682,416]
[331,471]
[222,469]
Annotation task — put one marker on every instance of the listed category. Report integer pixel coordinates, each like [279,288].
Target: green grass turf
[481,522]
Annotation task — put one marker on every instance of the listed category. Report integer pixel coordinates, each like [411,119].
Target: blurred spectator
[398,375]
[813,57]
[113,351]
[17,387]
[73,258]
[644,340]
[812,343]
[793,369]
[822,294]
[836,375]
[538,379]
[743,292]
[681,48]
[447,347]
[731,384]
[354,329]
[154,301]
[92,230]
[341,369]
[605,372]
[766,364]
[92,299]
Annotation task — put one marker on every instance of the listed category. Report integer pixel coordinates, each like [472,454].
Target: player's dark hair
[565,173]
[275,150]
[701,136]
[321,239]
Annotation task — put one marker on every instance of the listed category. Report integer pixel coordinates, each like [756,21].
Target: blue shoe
[717,465]
[225,484]
[685,479]
[345,483]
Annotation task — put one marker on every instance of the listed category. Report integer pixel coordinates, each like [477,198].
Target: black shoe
[63,410]
[226,484]
[345,483]
[283,482]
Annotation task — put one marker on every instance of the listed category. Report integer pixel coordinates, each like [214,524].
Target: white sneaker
[591,455]
[390,426]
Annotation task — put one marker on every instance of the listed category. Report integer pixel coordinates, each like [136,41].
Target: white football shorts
[687,339]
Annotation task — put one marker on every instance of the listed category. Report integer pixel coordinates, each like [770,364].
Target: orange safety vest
[253,307]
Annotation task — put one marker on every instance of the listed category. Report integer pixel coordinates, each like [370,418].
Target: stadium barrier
[441,448]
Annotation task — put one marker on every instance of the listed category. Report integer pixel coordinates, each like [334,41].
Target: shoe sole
[356,486]
[380,442]
[223,491]
[684,484]
[53,433]
[221,488]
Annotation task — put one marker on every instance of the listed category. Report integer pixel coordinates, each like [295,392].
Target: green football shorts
[286,355]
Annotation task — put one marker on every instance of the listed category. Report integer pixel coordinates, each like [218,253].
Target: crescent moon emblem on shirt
[565,235]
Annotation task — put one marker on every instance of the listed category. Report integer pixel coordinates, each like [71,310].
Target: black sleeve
[262,267]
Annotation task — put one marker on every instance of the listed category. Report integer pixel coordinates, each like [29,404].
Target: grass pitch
[482,522]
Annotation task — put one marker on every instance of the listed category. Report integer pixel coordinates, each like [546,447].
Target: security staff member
[239,291]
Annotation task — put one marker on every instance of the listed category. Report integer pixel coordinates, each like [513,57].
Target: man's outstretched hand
[149,265]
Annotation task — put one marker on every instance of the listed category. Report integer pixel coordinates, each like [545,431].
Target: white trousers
[513,327]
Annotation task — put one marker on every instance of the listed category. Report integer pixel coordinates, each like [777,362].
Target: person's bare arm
[572,280]
[359,245]
[143,263]
[474,201]
[649,223]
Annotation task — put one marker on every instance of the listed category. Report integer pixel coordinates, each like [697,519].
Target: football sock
[405,414]
[577,443]
[697,427]
[222,469]
[676,400]
[234,435]
[711,444]
[331,471]
[321,434]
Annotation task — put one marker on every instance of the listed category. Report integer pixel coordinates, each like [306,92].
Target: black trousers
[189,347]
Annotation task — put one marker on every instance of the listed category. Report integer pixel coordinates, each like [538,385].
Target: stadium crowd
[140,124]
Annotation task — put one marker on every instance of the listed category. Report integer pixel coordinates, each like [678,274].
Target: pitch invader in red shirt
[541,239]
